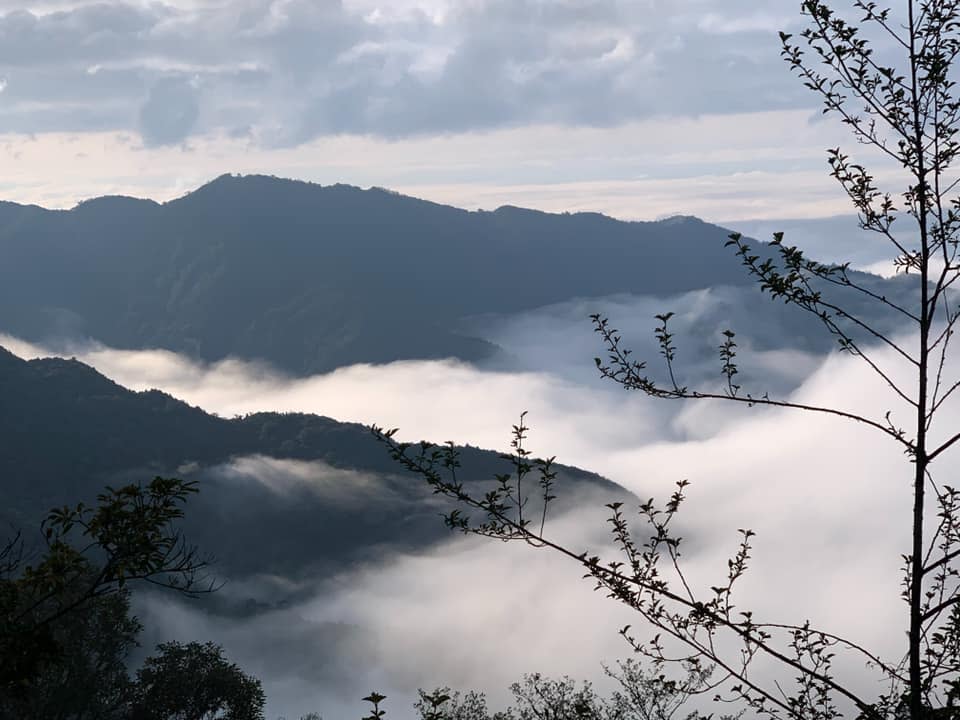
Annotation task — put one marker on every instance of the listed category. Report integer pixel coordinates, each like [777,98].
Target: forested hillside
[70,432]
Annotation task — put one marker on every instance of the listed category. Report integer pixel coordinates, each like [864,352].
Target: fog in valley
[824,495]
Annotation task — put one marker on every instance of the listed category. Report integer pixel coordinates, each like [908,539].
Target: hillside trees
[888,75]
[87,677]
[67,630]
[89,554]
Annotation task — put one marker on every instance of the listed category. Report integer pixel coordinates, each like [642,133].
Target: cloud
[289,478]
[496,63]
[170,112]
[826,497]
[274,525]
[86,33]
[546,369]
[473,614]
[294,70]
[468,614]
[769,162]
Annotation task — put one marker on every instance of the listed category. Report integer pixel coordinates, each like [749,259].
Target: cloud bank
[287,71]
[826,498]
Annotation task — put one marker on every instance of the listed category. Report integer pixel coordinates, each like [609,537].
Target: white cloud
[477,615]
[507,63]
[286,477]
[468,614]
[768,165]
[755,22]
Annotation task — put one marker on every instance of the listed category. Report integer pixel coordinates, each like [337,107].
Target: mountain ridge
[227,179]
[309,278]
[70,431]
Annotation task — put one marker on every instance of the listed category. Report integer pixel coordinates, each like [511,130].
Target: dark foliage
[640,694]
[88,556]
[194,681]
[86,678]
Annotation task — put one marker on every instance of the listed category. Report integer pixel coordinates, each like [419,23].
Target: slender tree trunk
[916,579]
[920,458]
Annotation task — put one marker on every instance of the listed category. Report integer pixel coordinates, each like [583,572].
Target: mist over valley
[246,336]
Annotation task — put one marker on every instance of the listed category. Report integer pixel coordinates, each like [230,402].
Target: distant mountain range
[310,278]
[68,431]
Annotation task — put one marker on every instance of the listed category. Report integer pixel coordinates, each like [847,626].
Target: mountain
[310,278]
[279,493]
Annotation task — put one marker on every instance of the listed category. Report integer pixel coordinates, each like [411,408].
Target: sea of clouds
[828,498]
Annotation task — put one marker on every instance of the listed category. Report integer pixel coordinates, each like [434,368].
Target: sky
[636,108]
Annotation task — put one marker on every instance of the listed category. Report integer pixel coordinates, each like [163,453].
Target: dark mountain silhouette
[310,278]
[69,431]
